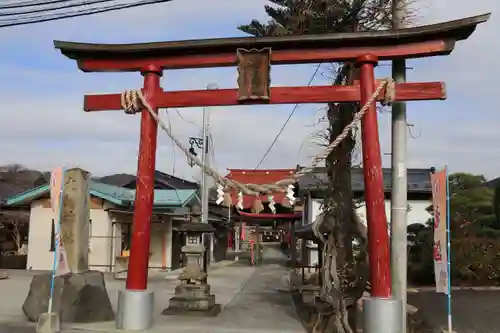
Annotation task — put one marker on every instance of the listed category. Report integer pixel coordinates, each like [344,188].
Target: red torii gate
[365,48]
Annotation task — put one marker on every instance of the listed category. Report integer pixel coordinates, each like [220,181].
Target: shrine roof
[259,177]
[258,217]
[419,180]
[448,31]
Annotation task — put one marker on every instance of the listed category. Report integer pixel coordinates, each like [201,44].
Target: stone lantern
[192,295]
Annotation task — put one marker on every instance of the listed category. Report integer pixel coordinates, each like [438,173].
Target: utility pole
[205,186]
[205,158]
[201,143]
[399,205]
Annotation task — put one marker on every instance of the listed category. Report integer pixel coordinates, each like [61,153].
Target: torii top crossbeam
[430,40]
[424,41]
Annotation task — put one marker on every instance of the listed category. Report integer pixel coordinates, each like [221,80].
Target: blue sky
[42,124]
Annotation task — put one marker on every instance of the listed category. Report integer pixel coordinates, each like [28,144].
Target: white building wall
[39,255]
[417,214]
[168,236]
[101,257]
[104,241]
[161,245]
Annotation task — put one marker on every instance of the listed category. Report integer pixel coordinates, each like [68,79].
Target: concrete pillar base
[382,315]
[135,310]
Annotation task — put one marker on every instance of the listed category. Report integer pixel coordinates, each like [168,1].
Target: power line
[75,13]
[67,5]
[186,120]
[30,4]
[286,122]
[173,146]
[212,148]
[54,14]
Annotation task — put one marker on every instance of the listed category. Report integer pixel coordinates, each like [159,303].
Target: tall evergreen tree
[293,17]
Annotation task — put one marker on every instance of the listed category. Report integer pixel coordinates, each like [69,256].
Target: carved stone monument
[79,294]
[192,295]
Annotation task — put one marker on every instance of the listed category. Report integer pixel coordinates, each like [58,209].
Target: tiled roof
[115,194]
[493,183]
[119,179]
[162,181]
[260,177]
[14,182]
[419,180]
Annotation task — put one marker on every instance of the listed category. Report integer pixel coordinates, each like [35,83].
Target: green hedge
[474,261]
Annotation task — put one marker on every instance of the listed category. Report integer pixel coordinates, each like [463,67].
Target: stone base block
[214,311]
[192,299]
[78,298]
[192,303]
[193,290]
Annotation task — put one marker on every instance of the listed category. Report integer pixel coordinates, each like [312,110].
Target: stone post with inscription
[79,294]
[75,219]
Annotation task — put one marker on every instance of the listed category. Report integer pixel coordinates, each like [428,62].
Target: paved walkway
[252,300]
[474,311]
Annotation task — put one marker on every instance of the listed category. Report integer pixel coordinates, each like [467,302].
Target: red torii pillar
[378,238]
[137,275]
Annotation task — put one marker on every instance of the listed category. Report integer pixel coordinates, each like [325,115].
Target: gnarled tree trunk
[343,275]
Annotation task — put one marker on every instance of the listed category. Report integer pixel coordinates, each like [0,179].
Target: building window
[126,237]
[90,234]
[52,237]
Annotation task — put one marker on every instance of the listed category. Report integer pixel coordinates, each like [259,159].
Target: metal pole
[293,244]
[204,157]
[399,204]
[448,249]
[237,233]
[206,161]
[258,258]
[135,304]
[381,313]
[204,180]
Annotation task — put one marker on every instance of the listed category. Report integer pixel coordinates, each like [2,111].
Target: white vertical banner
[439,202]
[56,190]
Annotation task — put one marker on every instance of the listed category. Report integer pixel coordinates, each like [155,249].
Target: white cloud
[42,123]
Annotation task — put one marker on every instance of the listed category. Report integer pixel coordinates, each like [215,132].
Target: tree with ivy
[343,274]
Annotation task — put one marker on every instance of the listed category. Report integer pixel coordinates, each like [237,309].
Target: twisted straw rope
[133,101]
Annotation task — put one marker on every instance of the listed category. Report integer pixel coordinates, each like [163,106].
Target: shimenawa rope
[134,101]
